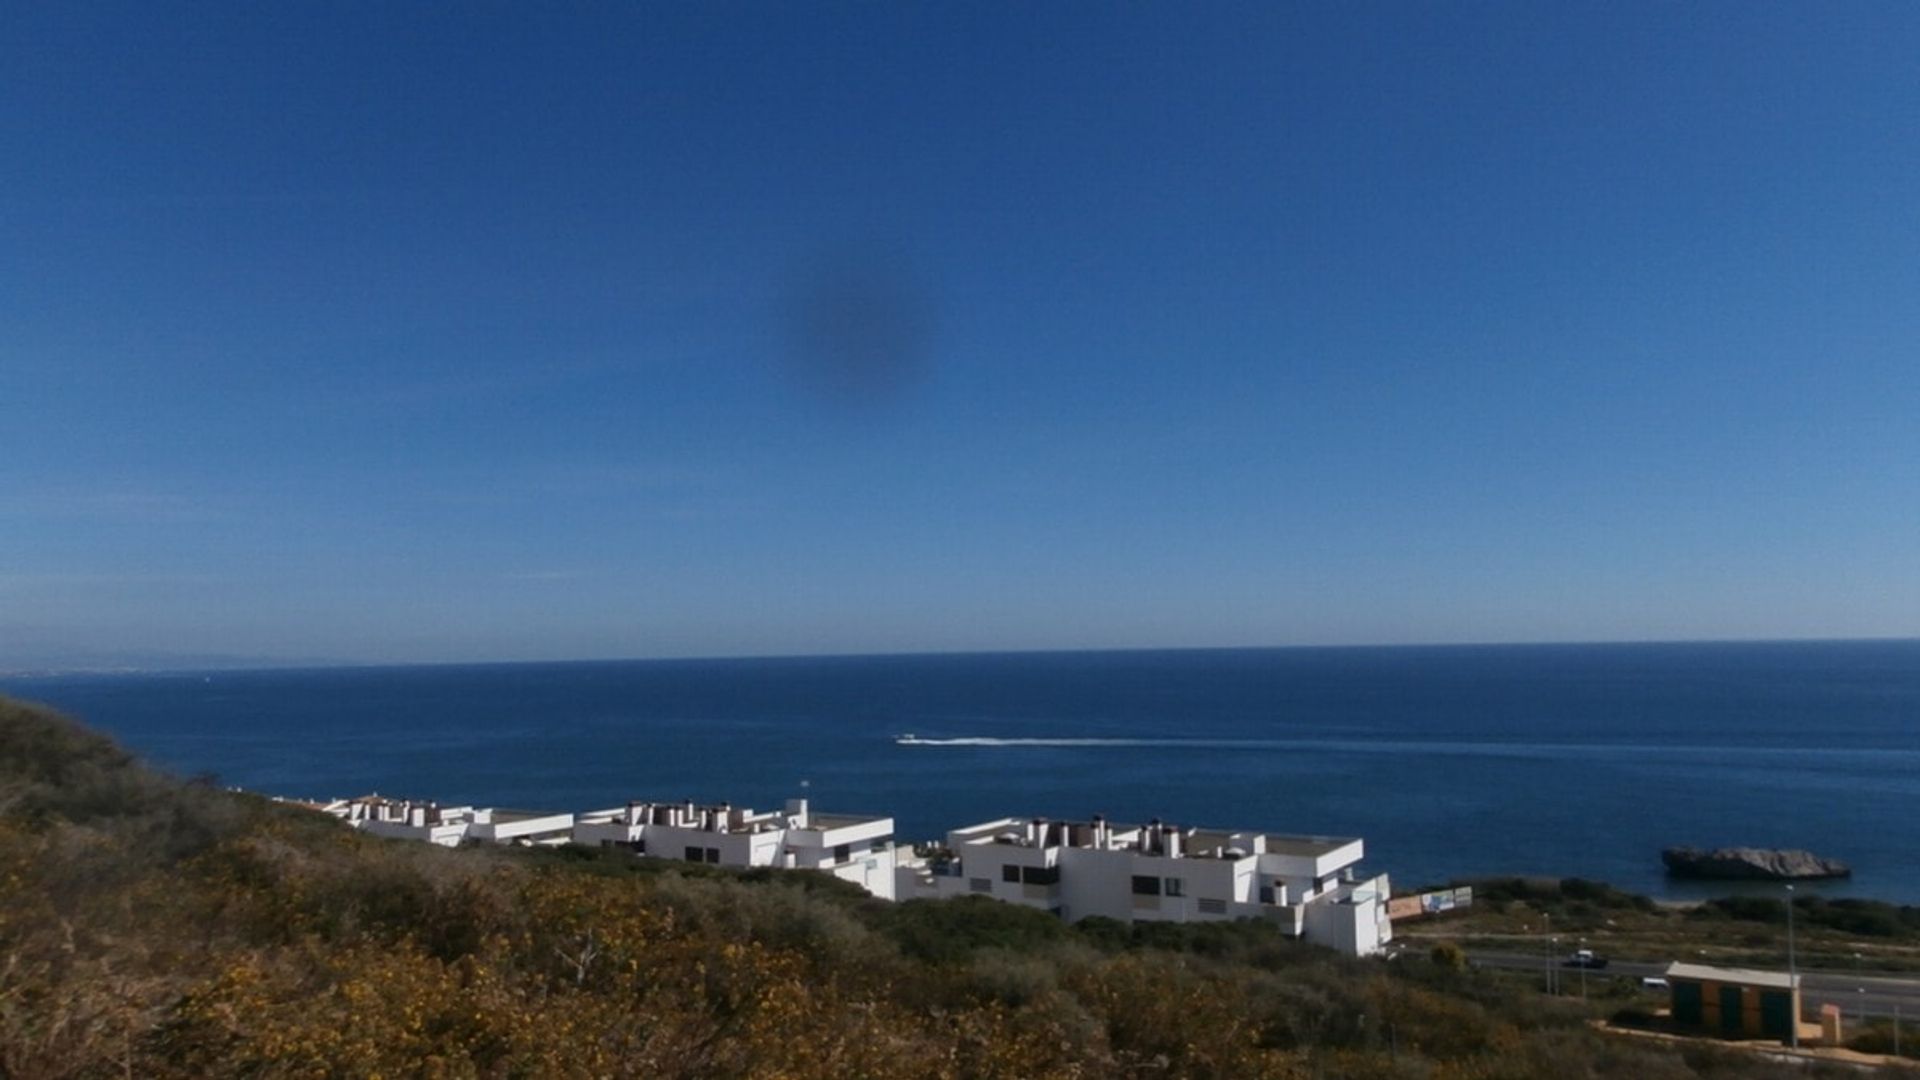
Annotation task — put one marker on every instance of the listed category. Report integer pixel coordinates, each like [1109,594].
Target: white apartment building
[855,848]
[1304,884]
[450,826]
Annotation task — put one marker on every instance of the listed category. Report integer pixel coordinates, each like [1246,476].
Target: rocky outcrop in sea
[1751,864]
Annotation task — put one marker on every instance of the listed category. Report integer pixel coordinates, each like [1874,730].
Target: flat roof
[837,821]
[1283,844]
[1742,976]
[1204,839]
[713,807]
[501,815]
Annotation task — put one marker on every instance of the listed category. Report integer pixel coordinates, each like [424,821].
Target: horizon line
[271,664]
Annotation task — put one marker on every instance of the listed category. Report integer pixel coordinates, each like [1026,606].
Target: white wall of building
[444,835]
[1352,920]
[1190,875]
[515,828]
[859,850]
[1077,870]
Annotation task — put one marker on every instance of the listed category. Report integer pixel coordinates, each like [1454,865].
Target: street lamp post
[1525,929]
[1546,931]
[1793,979]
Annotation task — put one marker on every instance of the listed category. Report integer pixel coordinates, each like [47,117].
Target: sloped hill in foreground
[153,927]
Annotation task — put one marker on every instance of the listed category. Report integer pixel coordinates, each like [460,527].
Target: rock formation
[1751,864]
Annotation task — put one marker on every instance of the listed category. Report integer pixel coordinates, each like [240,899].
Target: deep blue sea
[1571,760]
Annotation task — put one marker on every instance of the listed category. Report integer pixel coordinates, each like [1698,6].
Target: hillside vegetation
[156,928]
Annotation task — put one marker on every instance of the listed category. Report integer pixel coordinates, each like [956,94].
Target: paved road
[1878,995]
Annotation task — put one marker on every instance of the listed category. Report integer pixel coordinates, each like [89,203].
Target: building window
[1212,907]
[1266,894]
[1040,875]
[713,855]
[842,852]
[980,884]
[1010,872]
[1176,887]
[1145,886]
[695,854]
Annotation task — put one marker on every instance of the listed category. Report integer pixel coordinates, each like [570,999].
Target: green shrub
[1633,1018]
[950,931]
[1764,909]
[1865,918]
[1574,897]
[1876,1037]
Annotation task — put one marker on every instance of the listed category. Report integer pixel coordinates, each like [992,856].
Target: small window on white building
[1210,906]
[842,852]
[1010,872]
[1176,887]
[1143,885]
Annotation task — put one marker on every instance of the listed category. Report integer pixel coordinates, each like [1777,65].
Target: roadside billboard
[1438,902]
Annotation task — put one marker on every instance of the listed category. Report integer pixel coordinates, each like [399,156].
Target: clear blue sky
[395,332]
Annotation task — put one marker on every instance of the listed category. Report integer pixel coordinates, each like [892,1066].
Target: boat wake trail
[1629,753]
